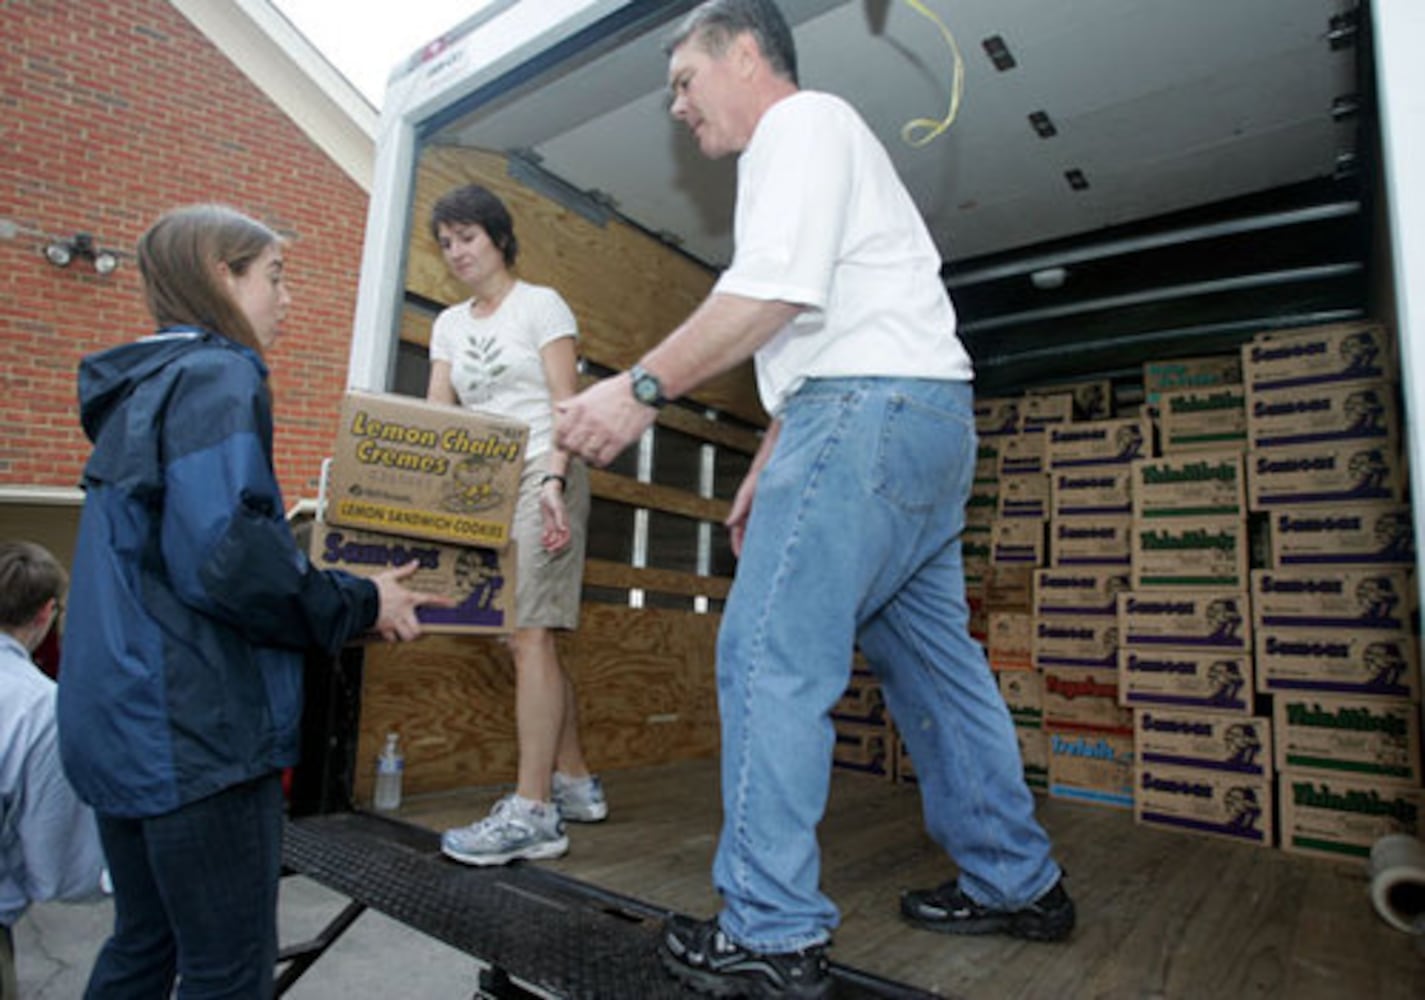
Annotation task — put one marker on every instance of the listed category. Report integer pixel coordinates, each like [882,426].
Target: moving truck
[1127,197]
[1135,184]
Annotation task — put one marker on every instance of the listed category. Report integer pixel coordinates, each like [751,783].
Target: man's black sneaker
[948,910]
[700,955]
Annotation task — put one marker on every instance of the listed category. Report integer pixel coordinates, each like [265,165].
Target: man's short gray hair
[714,24]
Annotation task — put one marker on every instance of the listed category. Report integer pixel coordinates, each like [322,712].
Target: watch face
[645,389]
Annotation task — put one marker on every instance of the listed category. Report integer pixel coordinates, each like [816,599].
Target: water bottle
[388,776]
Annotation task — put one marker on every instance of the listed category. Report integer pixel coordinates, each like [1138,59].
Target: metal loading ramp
[530,925]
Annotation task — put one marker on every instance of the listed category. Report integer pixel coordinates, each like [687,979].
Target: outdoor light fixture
[61,253]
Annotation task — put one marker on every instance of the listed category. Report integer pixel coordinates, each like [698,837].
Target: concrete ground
[55,945]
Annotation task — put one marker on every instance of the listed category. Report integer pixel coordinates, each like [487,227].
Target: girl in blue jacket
[191,607]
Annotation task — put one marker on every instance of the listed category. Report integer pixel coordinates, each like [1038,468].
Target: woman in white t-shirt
[510,349]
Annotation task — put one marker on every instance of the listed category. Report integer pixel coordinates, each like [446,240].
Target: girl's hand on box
[398,603]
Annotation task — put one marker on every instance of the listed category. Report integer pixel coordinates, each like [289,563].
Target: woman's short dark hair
[178,261]
[29,576]
[476,205]
[716,23]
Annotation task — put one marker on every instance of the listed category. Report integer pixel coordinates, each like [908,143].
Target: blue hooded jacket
[190,605]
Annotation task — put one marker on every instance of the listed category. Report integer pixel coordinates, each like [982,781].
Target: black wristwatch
[646,387]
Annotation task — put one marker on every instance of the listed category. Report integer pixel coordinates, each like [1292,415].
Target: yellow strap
[931,127]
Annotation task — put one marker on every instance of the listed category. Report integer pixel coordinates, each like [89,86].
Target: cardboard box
[975,596]
[1091,541]
[1076,641]
[1321,355]
[1017,542]
[1092,492]
[905,767]
[1202,419]
[1357,737]
[1322,415]
[862,701]
[1039,410]
[983,502]
[1206,740]
[864,747]
[1025,496]
[1098,442]
[1022,454]
[1096,768]
[1346,473]
[1207,620]
[1011,640]
[987,460]
[1084,698]
[979,624]
[1034,756]
[1186,679]
[1093,399]
[1023,692]
[1376,534]
[1342,818]
[1190,553]
[1200,484]
[1232,806]
[406,467]
[1173,374]
[997,416]
[1009,588]
[1332,597]
[1375,663]
[482,580]
[975,553]
[1073,591]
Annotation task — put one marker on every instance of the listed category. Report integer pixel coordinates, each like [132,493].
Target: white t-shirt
[823,221]
[495,364]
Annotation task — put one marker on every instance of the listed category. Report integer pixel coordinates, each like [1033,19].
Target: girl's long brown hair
[178,260]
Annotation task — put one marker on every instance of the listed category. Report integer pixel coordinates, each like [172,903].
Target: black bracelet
[554,477]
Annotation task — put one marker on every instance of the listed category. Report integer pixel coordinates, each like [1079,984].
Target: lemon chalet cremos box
[406,467]
[480,580]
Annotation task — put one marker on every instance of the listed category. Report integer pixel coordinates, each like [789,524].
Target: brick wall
[112,111]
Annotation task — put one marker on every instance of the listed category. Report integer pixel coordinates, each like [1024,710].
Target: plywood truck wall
[645,678]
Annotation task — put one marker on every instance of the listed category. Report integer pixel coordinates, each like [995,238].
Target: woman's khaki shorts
[548,585]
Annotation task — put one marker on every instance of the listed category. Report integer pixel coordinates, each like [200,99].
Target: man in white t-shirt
[847,525]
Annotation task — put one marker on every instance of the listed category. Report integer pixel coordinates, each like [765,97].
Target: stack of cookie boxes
[1203,759]
[1333,614]
[997,589]
[411,480]
[864,735]
[1007,518]
[1075,634]
[996,421]
[1017,550]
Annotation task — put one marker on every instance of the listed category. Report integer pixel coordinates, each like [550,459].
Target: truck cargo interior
[1123,182]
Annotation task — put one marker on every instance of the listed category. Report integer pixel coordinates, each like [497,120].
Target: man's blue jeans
[854,537]
[195,894]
